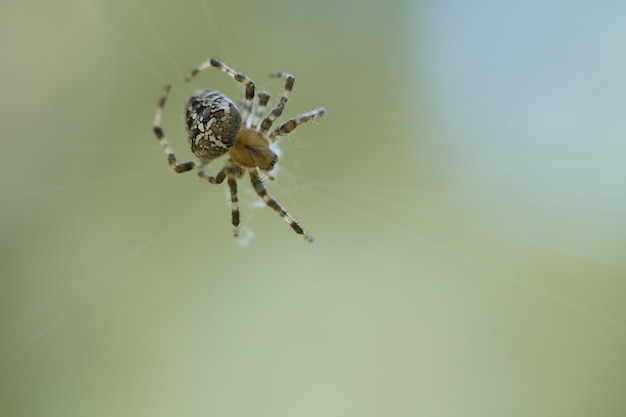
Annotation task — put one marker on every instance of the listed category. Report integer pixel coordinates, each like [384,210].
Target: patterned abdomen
[213,122]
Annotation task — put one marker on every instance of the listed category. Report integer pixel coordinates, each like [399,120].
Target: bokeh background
[466,192]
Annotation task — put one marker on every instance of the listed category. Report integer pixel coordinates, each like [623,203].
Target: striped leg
[158,131]
[260,189]
[234,202]
[237,76]
[231,172]
[218,179]
[291,124]
[267,123]
[264,98]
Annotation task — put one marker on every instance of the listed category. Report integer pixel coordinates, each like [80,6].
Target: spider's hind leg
[237,76]
[160,134]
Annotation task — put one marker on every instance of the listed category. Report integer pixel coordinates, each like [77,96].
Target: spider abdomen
[213,122]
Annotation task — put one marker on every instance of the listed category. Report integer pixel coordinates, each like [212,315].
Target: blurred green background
[466,192]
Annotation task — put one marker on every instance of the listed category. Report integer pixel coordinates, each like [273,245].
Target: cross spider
[215,126]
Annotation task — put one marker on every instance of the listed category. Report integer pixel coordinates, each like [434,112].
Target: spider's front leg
[158,131]
[259,188]
[291,124]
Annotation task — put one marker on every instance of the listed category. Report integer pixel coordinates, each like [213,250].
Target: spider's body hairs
[215,127]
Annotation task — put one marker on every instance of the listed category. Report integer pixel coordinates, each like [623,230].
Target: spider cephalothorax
[215,126]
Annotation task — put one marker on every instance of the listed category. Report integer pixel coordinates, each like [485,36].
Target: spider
[216,126]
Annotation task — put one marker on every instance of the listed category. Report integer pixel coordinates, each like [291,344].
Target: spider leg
[233,173]
[264,98]
[260,189]
[234,202]
[230,172]
[293,123]
[266,124]
[218,179]
[237,76]
[158,131]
